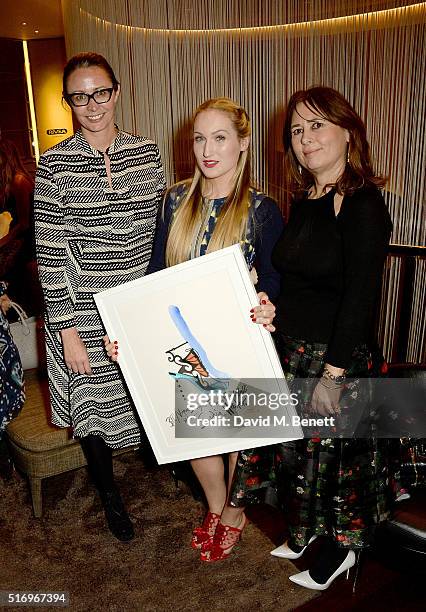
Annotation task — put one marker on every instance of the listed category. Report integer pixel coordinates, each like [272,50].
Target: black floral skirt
[334,486]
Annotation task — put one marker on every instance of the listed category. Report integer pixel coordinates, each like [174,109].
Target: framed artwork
[186,332]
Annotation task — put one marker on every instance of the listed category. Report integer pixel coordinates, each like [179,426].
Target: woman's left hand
[325,398]
[264,313]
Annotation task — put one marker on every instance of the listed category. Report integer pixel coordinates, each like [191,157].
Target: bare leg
[230,515]
[228,531]
[210,473]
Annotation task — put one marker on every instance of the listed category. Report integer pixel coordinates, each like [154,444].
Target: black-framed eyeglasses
[82,99]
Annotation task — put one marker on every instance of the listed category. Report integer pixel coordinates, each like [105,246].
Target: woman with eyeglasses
[96,200]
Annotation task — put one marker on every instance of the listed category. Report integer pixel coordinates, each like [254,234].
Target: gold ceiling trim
[403,15]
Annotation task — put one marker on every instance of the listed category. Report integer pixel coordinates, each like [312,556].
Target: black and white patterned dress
[92,237]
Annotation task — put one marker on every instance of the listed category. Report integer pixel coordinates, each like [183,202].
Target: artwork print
[188,325]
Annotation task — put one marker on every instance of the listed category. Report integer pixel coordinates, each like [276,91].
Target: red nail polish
[264,325]
[252,310]
[263,302]
[254,319]
[116,353]
[115,341]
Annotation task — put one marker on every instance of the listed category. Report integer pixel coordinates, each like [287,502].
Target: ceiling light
[35,31]
[24,23]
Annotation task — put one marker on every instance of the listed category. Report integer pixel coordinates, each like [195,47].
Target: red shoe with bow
[224,540]
[202,537]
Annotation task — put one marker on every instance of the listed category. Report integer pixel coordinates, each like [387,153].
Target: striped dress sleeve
[51,249]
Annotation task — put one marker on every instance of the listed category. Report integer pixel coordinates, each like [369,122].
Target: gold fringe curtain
[170,55]
[395,298]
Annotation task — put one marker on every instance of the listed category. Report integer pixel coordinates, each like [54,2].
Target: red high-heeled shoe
[224,540]
[203,536]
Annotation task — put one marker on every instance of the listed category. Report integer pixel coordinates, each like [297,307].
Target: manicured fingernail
[116,353]
[254,319]
[115,341]
[263,302]
[252,310]
[265,325]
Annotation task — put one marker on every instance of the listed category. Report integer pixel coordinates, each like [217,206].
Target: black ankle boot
[116,515]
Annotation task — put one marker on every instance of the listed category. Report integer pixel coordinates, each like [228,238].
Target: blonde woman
[219,207]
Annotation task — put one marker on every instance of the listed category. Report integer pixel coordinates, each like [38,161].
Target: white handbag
[24,334]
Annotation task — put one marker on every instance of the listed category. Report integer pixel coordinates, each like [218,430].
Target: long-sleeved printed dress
[91,237]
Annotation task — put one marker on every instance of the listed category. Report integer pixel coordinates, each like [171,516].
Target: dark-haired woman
[16,201]
[330,256]
[96,200]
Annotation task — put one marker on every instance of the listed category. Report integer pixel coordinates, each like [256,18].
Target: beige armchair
[38,448]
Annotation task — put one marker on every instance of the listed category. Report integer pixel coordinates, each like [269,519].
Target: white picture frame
[215,294]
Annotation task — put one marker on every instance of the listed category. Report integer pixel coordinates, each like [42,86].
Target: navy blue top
[264,228]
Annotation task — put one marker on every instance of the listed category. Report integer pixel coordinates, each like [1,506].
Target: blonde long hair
[231,225]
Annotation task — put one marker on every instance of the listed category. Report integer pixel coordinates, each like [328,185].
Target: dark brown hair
[85,60]
[330,105]
[10,165]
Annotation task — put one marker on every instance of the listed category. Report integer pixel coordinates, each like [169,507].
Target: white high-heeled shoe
[285,552]
[304,579]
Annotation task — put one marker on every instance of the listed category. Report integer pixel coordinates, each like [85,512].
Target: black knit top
[331,269]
